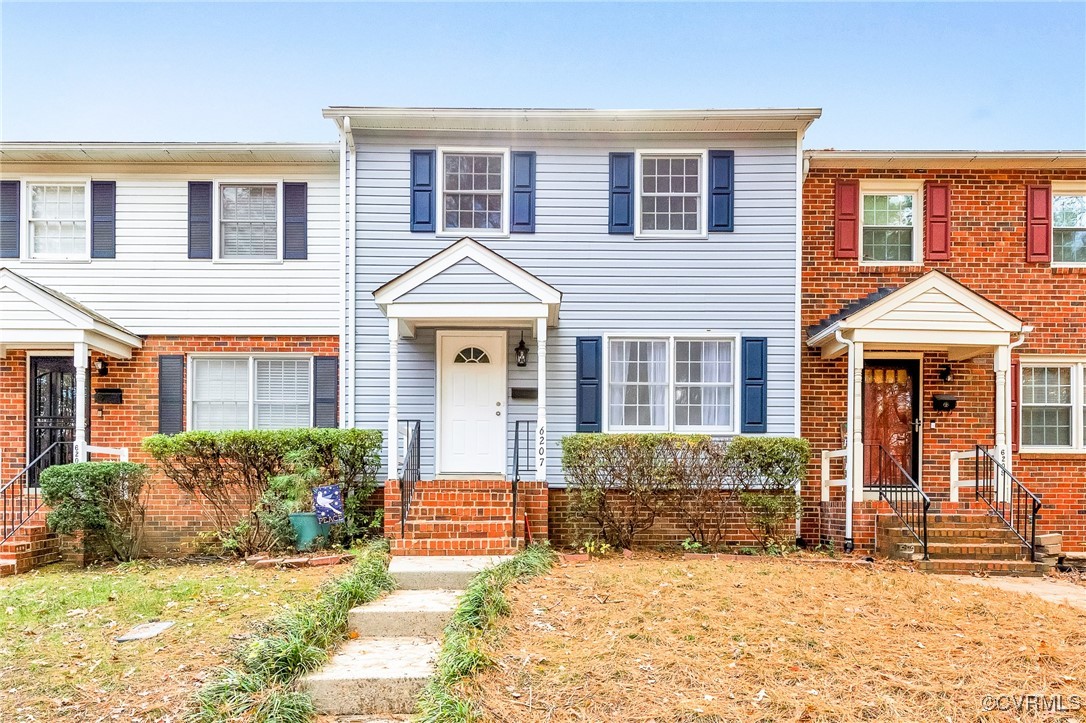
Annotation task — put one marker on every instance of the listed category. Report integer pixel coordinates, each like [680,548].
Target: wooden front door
[51,408]
[891,399]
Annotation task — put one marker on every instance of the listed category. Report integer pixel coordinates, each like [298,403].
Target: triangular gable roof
[467,249]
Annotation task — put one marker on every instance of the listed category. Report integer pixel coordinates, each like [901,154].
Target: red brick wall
[173,518]
[988,252]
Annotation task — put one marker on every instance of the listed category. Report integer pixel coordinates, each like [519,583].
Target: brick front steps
[30,547]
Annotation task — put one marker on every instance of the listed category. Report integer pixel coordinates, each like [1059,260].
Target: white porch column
[79,446]
[541,407]
[1002,364]
[857,392]
[393,410]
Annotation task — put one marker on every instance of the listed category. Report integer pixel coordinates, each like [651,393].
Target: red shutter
[846,225]
[937,213]
[1016,385]
[1039,223]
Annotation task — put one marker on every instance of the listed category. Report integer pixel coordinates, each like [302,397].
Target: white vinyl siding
[57,221]
[1053,414]
[248,221]
[1069,228]
[262,392]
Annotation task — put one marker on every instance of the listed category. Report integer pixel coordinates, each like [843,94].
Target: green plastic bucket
[307,529]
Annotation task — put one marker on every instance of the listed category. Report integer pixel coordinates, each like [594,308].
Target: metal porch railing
[20,497]
[1007,497]
[900,490]
[412,463]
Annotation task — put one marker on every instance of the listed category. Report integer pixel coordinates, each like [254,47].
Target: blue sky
[900,75]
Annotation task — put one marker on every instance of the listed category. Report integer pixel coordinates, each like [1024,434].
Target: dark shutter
[589,384]
[620,218]
[325,391]
[9,219]
[846,220]
[721,190]
[295,220]
[422,190]
[103,219]
[522,192]
[171,393]
[1016,386]
[200,219]
[755,399]
[1039,224]
[937,231]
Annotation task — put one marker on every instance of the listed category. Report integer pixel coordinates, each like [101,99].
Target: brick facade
[173,518]
[988,254]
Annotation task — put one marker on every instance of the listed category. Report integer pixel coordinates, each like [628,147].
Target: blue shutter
[200,219]
[755,370]
[620,218]
[295,220]
[589,384]
[171,393]
[325,391]
[721,191]
[422,190]
[522,192]
[103,219]
[9,219]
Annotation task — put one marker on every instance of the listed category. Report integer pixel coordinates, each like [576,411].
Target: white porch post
[857,422]
[79,446]
[541,407]
[1002,364]
[393,410]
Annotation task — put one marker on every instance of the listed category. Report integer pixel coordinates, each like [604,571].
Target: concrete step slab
[446,572]
[373,676]
[405,613]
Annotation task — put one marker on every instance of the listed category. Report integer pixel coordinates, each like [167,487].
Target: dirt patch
[768,640]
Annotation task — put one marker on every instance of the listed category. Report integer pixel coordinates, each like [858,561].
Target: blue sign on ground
[328,504]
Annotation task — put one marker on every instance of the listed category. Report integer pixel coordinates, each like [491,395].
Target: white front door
[471,402]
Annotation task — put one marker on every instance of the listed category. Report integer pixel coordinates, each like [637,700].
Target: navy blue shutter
[103,219]
[295,220]
[325,391]
[620,219]
[200,219]
[171,393]
[589,384]
[755,370]
[721,191]
[522,192]
[422,190]
[9,219]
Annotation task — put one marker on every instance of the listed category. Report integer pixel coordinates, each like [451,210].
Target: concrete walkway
[1055,591]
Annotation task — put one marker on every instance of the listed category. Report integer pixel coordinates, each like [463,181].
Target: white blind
[220,394]
[249,221]
[283,397]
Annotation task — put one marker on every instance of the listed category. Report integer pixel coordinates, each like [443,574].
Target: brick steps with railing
[959,543]
[29,547]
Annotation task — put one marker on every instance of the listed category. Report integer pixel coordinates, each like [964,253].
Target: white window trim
[26,252]
[669,410]
[216,222]
[252,357]
[703,192]
[1077,365]
[1065,188]
[439,190]
[880,188]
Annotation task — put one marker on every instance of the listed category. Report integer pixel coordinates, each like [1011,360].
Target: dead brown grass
[769,640]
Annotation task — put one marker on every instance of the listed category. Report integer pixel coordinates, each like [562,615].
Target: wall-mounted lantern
[521,352]
[101,367]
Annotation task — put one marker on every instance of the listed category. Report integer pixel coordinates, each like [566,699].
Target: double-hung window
[253,392]
[671,193]
[1053,405]
[1069,226]
[248,221]
[473,190]
[57,221]
[671,383]
[890,224]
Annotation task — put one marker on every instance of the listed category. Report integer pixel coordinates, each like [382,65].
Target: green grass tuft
[462,656]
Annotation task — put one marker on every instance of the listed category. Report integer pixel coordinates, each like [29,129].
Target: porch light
[101,367]
[945,373]
[522,352]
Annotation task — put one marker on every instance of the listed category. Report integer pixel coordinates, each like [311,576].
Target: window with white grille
[671,194]
[58,221]
[1053,406]
[473,191]
[261,392]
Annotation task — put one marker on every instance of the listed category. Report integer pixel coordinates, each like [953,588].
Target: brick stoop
[30,547]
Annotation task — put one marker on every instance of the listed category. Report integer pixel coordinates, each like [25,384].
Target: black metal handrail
[20,498]
[900,490]
[1018,508]
[412,463]
[522,439]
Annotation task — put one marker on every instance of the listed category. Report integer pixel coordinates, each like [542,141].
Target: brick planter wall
[988,254]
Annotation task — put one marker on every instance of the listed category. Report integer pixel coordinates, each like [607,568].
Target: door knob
[497,414]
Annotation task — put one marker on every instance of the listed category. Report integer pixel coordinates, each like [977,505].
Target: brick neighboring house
[944,279]
[170,287]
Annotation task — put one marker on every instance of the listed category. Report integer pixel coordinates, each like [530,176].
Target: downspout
[350,180]
[850,460]
[1010,393]
[801,176]
[344,225]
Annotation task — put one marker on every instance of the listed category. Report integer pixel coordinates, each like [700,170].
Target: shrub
[773,468]
[708,480]
[103,500]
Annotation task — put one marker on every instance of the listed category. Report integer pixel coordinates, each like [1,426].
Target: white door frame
[502,337]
